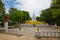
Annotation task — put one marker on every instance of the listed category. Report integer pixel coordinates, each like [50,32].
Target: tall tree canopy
[18,15]
[46,16]
[2,7]
[52,14]
[56,11]
[2,12]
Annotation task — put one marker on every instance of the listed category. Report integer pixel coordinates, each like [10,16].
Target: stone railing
[48,34]
[12,31]
[15,31]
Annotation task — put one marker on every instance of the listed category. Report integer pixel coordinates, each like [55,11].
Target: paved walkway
[15,37]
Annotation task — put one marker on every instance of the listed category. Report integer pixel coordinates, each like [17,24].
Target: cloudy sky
[33,6]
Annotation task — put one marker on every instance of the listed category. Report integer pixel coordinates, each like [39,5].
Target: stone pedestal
[19,32]
[6,23]
[37,34]
[6,26]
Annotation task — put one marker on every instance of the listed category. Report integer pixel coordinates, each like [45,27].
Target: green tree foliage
[56,11]
[26,16]
[52,14]
[46,16]
[12,10]
[2,12]
[18,16]
[2,8]
[15,15]
[38,18]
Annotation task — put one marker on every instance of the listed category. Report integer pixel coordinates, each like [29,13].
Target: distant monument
[33,17]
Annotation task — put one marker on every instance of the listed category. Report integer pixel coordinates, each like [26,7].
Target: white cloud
[33,5]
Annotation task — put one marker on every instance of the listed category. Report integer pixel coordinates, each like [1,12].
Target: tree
[56,11]
[52,14]
[18,16]
[2,12]
[12,10]
[26,16]
[46,16]
[15,15]
[2,8]
[38,18]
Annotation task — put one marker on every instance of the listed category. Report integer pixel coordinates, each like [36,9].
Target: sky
[32,6]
